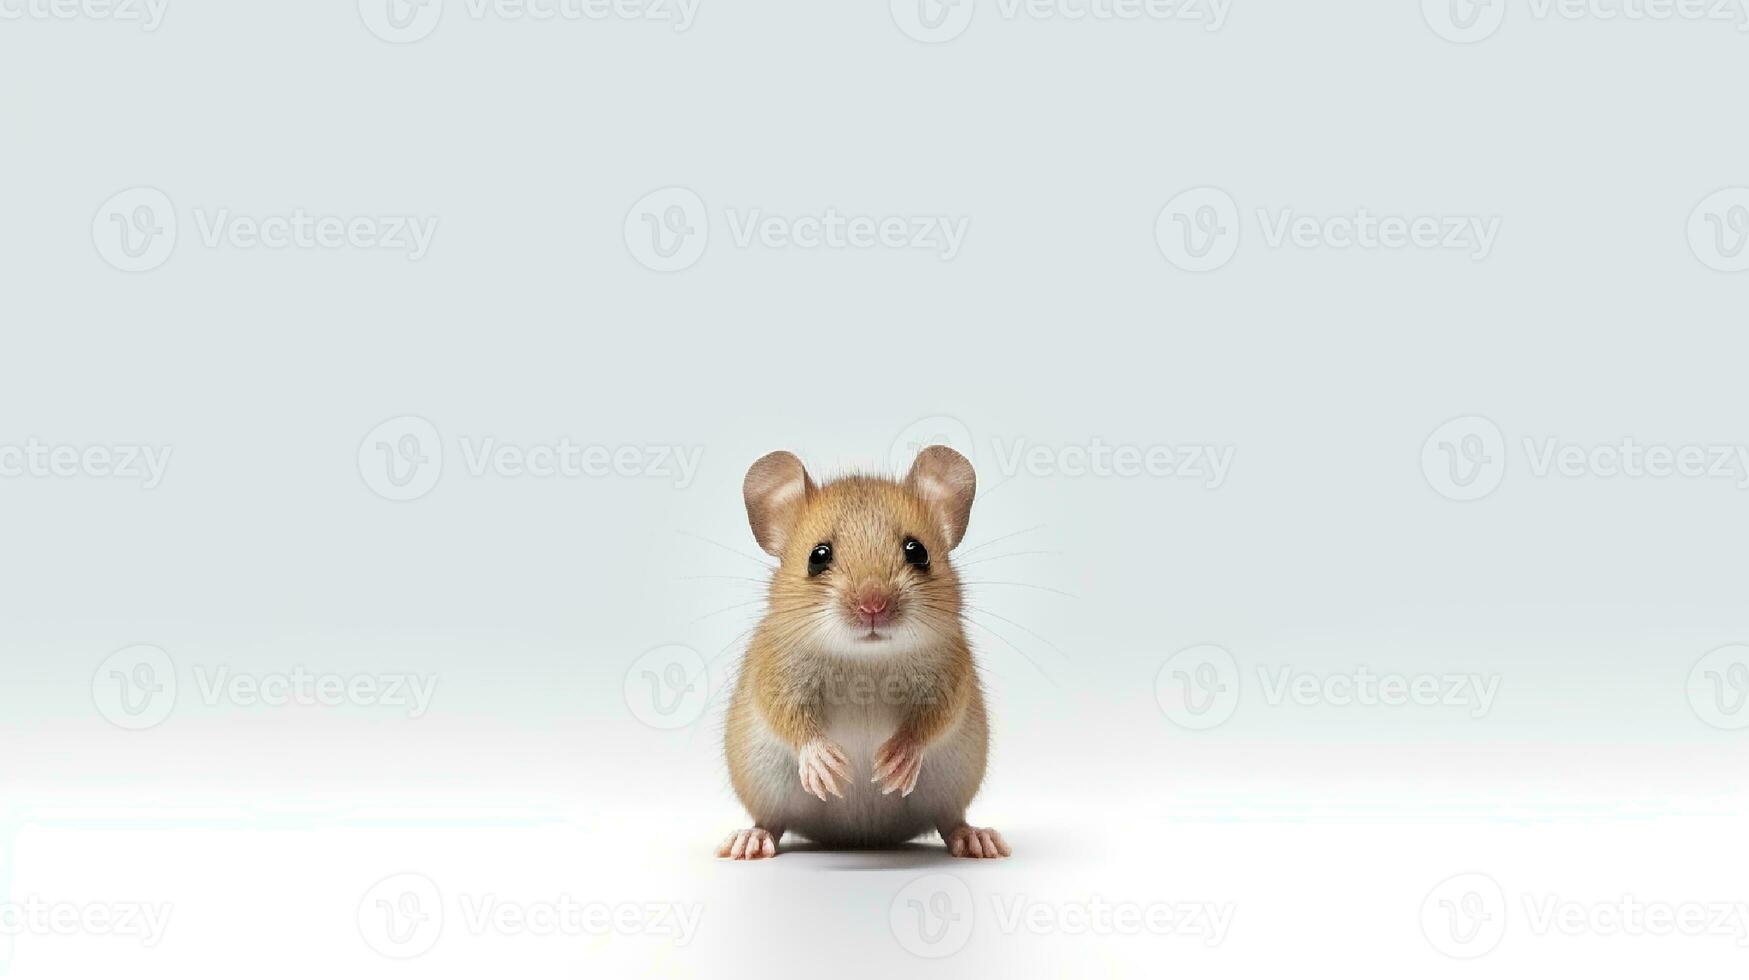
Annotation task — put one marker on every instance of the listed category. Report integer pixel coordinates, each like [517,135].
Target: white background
[1606,310]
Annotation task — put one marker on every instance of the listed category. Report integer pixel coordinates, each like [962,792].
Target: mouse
[857,718]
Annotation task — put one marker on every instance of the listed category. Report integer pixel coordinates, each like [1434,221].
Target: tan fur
[810,683]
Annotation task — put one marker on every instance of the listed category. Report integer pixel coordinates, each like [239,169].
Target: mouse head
[863,563]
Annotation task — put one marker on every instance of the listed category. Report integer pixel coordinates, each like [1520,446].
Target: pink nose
[874,606]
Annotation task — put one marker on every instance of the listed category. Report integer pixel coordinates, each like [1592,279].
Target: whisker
[719,612]
[733,551]
[985,612]
[1035,666]
[1022,585]
[985,544]
[1014,554]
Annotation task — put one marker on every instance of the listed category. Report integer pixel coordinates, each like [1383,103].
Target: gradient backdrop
[1356,391]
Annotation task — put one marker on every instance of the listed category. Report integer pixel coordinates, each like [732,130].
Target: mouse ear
[774,489]
[947,483]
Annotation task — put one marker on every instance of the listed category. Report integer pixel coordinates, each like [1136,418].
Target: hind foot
[749,845]
[968,841]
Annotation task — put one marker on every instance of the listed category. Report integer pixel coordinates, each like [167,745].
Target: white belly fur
[953,766]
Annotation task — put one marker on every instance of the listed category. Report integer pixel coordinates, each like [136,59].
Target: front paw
[897,764]
[822,765]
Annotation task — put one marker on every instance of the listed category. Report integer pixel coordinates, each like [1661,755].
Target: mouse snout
[873,605]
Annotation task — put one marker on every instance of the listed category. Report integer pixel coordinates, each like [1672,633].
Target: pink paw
[748,845]
[977,842]
[897,764]
[821,765]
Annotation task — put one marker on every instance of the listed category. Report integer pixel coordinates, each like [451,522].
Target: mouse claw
[821,765]
[898,763]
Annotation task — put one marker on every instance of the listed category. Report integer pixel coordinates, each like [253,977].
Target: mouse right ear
[774,490]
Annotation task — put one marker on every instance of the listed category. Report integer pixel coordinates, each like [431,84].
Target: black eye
[915,553]
[819,559]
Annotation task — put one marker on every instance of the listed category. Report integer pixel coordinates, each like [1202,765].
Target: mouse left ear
[947,483]
[774,490]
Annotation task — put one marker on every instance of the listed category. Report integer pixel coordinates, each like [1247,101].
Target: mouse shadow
[913,855]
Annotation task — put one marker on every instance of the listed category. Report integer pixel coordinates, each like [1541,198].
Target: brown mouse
[858,718]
